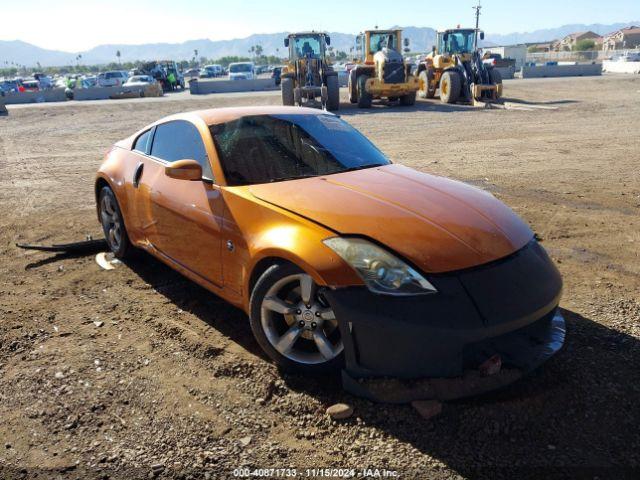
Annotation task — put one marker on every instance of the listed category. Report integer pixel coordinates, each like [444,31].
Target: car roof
[215,116]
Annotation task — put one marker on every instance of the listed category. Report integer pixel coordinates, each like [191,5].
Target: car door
[186,215]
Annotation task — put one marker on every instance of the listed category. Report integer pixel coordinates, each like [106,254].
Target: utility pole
[477,8]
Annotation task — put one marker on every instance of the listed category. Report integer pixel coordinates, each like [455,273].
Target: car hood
[438,224]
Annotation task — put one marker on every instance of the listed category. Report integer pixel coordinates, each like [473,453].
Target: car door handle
[137,175]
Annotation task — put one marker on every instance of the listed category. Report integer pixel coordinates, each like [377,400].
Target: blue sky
[76,25]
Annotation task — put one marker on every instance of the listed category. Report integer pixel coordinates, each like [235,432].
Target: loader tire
[427,90]
[333,87]
[496,79]
[353,87]
[408,100]
[450,85]
[286,86]
[364,98]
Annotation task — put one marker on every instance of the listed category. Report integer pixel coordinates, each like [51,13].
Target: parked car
[11,86]
[421,276]
[192,73]
[276,74]
[31,85]
[113,78]
[242,71]
[139,80]
[496,60]
[211,71]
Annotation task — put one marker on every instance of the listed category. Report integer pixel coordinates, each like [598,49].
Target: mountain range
[422,38]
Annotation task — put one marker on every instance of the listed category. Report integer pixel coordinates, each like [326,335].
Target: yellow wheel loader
[308,79]
[381,71]
[457,68]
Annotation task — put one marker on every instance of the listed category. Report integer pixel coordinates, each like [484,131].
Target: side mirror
[286,42]
[481,35]
[433,49]
[445,37]
[406,42]
[184,170]
[328,39]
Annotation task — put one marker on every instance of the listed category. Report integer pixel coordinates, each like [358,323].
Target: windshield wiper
[359,167]
[292,177]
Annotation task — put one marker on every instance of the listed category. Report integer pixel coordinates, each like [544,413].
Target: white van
[242,71]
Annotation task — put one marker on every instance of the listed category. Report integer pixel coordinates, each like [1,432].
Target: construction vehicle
[160,70]
[308,79]
[456,66]
[380,70]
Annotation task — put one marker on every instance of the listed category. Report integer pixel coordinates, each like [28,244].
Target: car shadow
[347,109]
[575,417]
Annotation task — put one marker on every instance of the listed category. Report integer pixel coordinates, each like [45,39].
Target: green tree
[586,44]
[118,54]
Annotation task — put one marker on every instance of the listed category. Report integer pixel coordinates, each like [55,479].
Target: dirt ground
[137,372]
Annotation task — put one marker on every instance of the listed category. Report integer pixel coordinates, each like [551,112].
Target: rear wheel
[364,98]
[450,85]
[427,90]
[286,86]
[113,224]
[353,87]
[293,322]
[496,79]
[333,87]
[408,99]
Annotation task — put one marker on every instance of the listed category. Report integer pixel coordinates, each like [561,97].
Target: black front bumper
[508,307]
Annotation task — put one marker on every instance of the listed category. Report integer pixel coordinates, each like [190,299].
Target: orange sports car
[340,258]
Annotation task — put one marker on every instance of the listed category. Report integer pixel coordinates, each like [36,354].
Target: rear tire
[113,226]
[353,87]
[426,88]
[450,86]
[276,298]
[364,98]
[496,79]
[333,88]
[408,100]
[286,86]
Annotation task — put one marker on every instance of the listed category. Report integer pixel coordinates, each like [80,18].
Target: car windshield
[378,41]
[306,46]
[270,148]
[457,42]
[240,68]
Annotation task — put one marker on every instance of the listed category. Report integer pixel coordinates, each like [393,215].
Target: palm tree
[118,54]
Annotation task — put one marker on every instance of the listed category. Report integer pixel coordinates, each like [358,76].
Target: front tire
[286,86]
[333,89]
[364,98]
[113,226]
[426,88]
[450,86]
[293,322]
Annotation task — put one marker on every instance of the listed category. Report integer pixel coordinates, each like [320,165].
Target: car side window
[142,142]
[180,140]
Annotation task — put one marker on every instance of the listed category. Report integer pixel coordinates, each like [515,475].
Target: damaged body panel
[341,259]
[493,309]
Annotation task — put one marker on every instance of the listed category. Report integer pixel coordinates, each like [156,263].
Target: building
[622,39]
[569,42]
[514,52]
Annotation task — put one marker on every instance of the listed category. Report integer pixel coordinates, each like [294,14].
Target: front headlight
[381,271]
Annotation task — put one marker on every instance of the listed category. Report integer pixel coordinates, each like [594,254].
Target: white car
[242,71]
[139,80]
[114,78]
